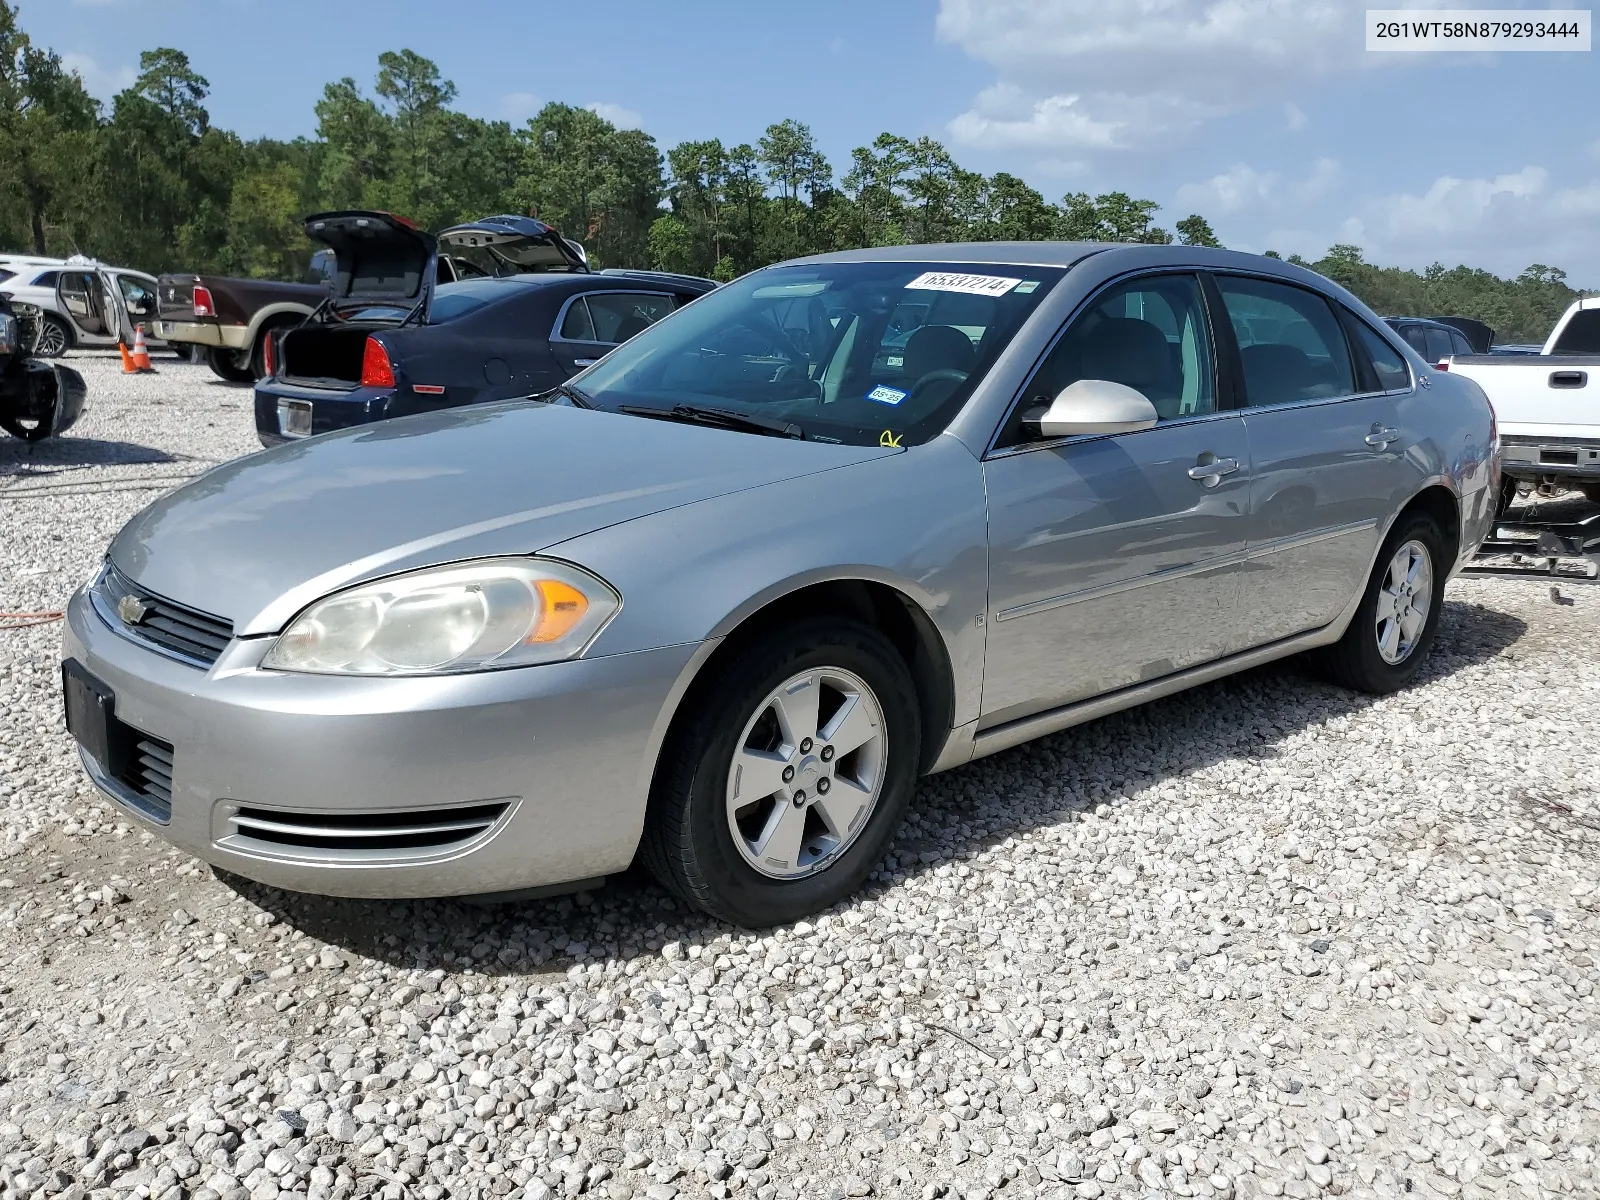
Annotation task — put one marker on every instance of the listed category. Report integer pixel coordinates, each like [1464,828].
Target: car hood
[257,539]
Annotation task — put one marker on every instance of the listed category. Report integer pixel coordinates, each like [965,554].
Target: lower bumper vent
[146,774]
[412,833]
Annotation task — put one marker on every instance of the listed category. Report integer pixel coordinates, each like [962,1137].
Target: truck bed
[1538,395]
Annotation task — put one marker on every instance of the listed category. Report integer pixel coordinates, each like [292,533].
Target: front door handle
[1210,473]
[1381,436]
[584,362]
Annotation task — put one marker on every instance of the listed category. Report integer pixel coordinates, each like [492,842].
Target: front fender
[913,521]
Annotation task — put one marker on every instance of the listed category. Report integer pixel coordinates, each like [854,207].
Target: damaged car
[37,399]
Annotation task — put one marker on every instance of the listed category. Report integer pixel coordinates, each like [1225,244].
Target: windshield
[864,353]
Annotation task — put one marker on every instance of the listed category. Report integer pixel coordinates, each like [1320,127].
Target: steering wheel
[940,375]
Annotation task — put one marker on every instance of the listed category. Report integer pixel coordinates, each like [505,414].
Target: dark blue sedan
[511,309]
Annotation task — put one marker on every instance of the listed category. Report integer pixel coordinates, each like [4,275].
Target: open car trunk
[512,245]
[383,276]
[324,355]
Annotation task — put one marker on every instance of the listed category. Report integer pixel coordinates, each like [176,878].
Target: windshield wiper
[724,418]
[578,397]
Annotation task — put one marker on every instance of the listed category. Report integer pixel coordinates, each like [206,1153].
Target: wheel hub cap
[793,811]
[1404,599]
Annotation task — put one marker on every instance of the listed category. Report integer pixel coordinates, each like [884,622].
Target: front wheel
[225,363]
[53,339]
[785,775]
[1395,623]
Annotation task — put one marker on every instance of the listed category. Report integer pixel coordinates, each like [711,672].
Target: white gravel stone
[1263,938]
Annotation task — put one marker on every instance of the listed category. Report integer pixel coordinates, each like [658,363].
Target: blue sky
[1267,116]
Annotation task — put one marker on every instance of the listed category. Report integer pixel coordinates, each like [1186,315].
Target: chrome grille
[183,633]
[413,832]
[148,775]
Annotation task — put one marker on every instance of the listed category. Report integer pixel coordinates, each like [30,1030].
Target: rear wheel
[786,774]
[54,338]
[1394,626]
[225,363]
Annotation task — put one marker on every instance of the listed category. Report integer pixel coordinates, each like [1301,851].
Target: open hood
[523,243]
[379,258]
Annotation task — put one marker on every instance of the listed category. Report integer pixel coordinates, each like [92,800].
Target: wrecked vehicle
[37,399]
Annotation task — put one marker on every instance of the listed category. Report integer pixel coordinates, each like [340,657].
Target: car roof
[1020,254]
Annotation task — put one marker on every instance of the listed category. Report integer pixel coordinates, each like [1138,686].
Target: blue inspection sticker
[884,394]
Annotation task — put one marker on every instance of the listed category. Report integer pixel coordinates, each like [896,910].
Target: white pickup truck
[1547,406]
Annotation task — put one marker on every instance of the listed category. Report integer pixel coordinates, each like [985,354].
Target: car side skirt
[1014,733]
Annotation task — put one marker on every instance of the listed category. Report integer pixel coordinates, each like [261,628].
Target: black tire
[225,363]
[1354,661]
[687,843]
[54,338]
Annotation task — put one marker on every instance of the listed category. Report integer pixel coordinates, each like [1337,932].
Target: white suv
[84,302]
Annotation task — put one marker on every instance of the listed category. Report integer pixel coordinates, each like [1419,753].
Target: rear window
[452,301]
[5,274]
[1582,334]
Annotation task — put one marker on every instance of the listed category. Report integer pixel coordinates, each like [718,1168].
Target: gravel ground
[1264,938]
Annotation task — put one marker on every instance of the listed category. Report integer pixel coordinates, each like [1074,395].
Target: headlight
[444,620]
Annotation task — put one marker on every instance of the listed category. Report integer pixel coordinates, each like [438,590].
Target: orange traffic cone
[141,353]
[127,359]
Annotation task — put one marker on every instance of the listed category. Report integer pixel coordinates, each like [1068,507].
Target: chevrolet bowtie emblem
[132,610]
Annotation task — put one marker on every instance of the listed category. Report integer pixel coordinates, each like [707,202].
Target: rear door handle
[1381,436]
[1211,473]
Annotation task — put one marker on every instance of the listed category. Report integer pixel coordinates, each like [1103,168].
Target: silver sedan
[720,600]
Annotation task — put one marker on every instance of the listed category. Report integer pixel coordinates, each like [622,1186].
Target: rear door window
[618,316]
[47,279]
[1291,346]
[1438,341]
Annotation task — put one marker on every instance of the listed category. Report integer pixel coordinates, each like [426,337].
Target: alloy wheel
[51,341]
[807,772]
[1404,599]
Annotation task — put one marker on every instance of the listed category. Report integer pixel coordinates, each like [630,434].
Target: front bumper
[559,757]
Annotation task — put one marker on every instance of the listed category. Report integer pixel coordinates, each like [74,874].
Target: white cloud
[518,107]
[1090,74]
[1238,187]
[1295,117]
[1502,223]
[1241,187]
[100,82]
[622,118]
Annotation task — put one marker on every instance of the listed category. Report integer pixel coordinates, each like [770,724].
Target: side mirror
[1096,406]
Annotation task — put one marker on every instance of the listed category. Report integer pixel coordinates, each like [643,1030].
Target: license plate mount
[91,718]
[294,418]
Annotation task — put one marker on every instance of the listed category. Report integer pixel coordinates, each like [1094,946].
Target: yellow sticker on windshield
[889,440]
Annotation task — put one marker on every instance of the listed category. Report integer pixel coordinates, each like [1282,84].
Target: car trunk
[325,355]
[382,275]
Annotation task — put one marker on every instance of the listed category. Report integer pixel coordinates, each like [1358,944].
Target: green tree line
[148,181]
